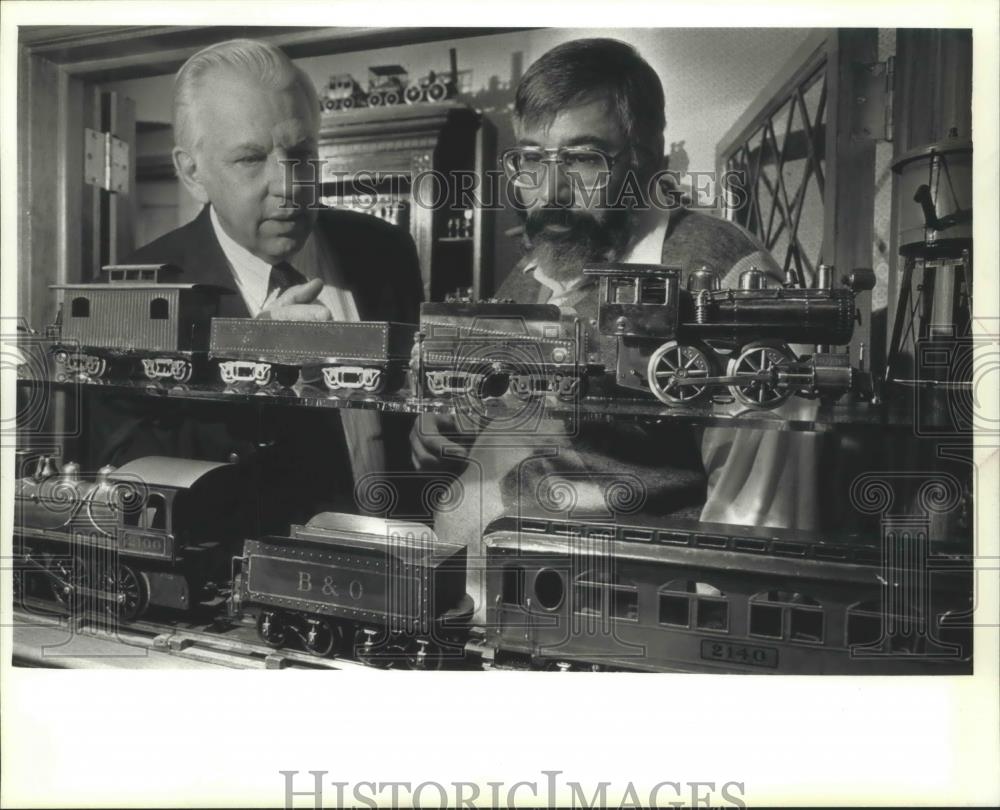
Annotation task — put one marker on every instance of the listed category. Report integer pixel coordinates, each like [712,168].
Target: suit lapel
[206,264]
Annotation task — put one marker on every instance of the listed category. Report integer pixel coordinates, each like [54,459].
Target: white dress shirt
[362,428]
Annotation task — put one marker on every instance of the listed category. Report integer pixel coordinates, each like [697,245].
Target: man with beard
[589,122]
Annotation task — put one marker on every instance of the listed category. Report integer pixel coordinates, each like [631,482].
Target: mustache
[536,220]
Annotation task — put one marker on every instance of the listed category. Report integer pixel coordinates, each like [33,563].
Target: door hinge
[105,161]
[873,98]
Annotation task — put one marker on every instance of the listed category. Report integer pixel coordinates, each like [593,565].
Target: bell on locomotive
[687,343]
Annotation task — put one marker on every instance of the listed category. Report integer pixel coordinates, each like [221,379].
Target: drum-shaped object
[934,203]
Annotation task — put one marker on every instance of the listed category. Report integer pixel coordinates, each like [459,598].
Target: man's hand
[298,304]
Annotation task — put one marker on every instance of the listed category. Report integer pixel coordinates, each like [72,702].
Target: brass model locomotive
[672,342]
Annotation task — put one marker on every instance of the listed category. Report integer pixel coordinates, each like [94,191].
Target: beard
[578,239]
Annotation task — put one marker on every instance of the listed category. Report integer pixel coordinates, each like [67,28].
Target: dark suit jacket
[304,467]
[378,262]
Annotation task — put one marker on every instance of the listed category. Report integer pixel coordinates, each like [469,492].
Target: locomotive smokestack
[104,472]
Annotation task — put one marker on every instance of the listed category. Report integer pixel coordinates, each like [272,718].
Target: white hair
[263,61]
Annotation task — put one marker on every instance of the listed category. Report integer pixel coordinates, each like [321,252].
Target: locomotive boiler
[675,342]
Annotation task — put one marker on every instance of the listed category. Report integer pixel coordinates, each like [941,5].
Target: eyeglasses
[588,165]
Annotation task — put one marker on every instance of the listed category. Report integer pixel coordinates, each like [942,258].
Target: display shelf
[795,415]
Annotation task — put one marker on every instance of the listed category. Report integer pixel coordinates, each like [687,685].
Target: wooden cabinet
[407,164]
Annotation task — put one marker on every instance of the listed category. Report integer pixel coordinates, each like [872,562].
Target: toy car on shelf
[134,319]
[387,85]
[370,356]
[342,93]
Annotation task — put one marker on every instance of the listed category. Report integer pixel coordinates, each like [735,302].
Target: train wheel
[437,92]
[391,99]
[375,100]
[759,362]
[413,93]
[674,362]
[286,376]
[69,576]
[366,650]
[321,638]
[181,370]
[271,629]
[96,367]
[423,654]
[262,374]
[130,599]
[346,104]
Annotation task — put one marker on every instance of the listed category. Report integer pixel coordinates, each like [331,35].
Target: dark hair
[583,69]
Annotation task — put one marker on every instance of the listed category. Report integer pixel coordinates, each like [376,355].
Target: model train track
[238,649]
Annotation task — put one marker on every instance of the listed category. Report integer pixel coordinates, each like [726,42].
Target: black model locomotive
[670,341]
[154,531]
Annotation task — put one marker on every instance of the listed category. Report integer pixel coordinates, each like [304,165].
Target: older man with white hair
[246,125]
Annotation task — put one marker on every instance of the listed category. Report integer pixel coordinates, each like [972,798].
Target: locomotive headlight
[559,354]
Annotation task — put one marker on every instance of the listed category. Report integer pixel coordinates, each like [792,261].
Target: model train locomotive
[389,85]
[649,336]
[671,341]
[624,593]
[155,531]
